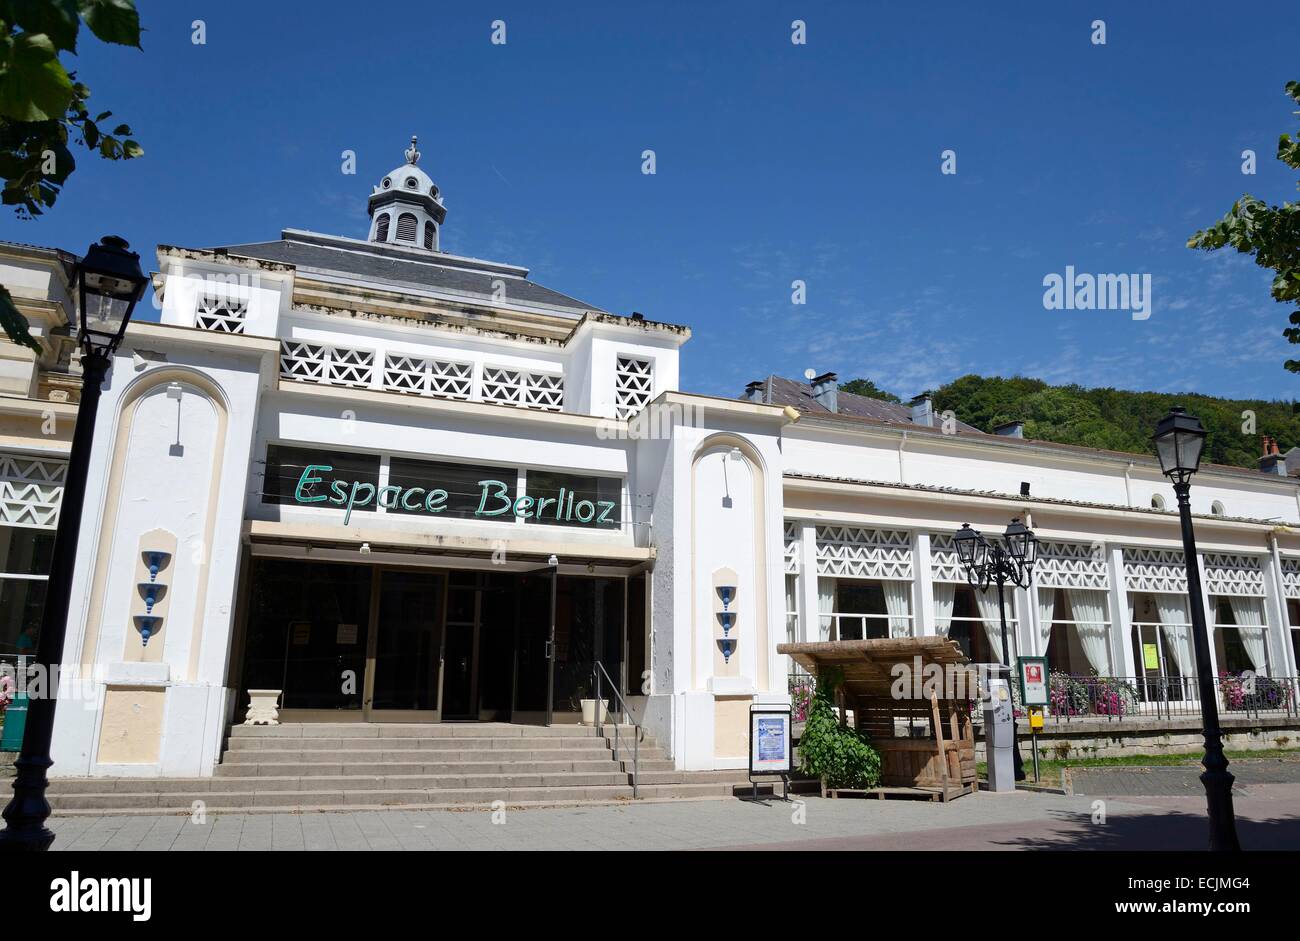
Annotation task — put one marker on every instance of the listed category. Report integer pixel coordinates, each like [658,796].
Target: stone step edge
[354,808]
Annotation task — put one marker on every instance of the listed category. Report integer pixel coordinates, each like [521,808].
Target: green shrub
[841,756]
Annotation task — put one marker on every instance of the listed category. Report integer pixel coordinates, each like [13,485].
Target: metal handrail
[598,670]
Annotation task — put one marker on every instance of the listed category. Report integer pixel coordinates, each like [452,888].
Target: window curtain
[1046,615]
[1174,619]
[944,594]
[825,605]
[792,608]
[1088,610]
[987,603]
[1249,615]
[896,606]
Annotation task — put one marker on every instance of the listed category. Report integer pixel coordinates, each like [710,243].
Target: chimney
[922,410]
[1010,429]
[754,392]
[825,389]
[1272,461]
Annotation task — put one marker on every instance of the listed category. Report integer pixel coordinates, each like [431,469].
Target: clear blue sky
[819,162]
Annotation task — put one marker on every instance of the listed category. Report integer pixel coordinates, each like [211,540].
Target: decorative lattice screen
[1071,565]
[31,490]
[945,566]
[439,378]
[527,389]
[1156,570]
[1232,574]
[221,314]
[633,384]
[854,552]
[791,547]
[1291,578]
[321,362]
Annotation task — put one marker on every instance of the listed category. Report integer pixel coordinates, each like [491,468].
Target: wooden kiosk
[922,730]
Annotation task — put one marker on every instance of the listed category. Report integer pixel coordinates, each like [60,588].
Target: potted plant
[582,693]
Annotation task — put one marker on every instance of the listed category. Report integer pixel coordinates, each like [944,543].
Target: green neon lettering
[502,494]
[406,498]
[306,480]
[357,487]
[435,501]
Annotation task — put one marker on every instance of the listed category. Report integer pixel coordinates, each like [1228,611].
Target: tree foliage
[839,755]
[866,387]
[1116,419]
[1270,233]
[44,108]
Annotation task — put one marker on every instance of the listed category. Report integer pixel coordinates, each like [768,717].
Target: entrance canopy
[869,665]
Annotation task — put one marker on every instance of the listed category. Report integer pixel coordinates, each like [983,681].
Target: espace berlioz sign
[564,508]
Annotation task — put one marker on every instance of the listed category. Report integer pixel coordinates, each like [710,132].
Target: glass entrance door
[406,649]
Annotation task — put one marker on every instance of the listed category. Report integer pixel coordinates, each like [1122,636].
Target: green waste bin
[15,723]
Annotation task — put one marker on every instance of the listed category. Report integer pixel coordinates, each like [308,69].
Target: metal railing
[1116,697]
[599,672]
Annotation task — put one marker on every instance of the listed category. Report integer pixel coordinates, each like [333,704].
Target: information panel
[771,750]
[1034,689]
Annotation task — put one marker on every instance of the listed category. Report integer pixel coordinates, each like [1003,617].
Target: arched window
[428,235]
[381,228]
[407,226]
[1157,502]
[1216,508]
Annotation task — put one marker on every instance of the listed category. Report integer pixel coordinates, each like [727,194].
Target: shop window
[585,501]
[285,466]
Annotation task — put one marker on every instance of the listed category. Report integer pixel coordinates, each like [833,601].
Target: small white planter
[263,707]
[589,711]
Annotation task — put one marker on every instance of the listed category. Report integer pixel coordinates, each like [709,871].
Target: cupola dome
[406,207]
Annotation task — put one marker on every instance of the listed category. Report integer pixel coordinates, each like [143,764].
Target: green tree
[1270,233]
[865,387]
[43,108]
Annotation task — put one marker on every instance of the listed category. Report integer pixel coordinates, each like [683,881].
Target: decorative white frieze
[432,377]
[1233,574]
[945,565]
[1071,565]
[1155,570]
[855,552]
[31,490]
[633,384]
[221,314]
[327,364]
[538,390]
[1291,578]
[791,547]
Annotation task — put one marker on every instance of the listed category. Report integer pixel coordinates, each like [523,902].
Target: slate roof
[378,263]
[780,391]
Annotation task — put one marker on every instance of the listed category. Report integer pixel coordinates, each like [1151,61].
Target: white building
[349,463]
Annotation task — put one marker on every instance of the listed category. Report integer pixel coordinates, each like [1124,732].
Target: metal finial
[412,155]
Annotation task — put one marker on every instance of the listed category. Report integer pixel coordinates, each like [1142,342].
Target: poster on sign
[770,747]
[1034,689]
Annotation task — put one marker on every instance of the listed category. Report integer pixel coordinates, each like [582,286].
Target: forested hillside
[1115,419]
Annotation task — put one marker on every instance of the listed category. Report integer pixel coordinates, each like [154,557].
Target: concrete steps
[353,766]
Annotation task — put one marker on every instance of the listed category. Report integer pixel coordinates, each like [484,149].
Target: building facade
[38,410]
[392,484]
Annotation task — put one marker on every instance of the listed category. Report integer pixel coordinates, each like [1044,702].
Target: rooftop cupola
[406,207]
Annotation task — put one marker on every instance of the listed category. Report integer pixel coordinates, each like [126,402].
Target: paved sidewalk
[1179,780]
[982,821]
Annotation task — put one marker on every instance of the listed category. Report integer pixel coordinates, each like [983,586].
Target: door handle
[550,650]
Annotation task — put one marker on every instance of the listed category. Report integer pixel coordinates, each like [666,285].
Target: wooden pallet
[913,793]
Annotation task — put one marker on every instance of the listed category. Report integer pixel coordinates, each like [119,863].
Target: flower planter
[589,711]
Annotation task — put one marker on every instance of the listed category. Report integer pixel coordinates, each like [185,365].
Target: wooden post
[938,737]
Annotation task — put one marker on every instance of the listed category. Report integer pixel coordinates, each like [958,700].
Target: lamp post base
[26,814]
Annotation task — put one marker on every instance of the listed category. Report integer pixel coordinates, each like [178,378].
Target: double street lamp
[997,563]
[109,284]
[1179,441]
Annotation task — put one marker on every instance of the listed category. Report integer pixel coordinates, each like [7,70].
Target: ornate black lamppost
[993,563]
[109,284]
[1179,440]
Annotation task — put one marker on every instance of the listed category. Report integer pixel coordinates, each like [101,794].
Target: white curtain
[896,606]
[1249,615]
[792,608]
[1046,614]
[987,603]
[944,593]
[1174,619]
[825,605]
[1088,611]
